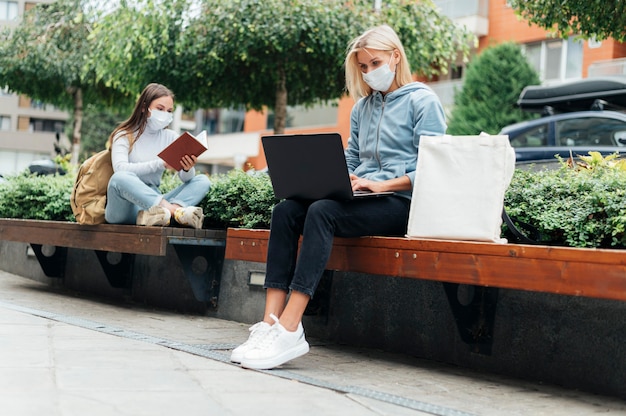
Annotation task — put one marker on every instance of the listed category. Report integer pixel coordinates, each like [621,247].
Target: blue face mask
[158,119]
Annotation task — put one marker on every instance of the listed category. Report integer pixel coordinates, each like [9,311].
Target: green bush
[577,207]
[236,199]
[239,199]
[37,197]
[583,206]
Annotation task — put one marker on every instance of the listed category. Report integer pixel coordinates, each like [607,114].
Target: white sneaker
[277,347]
[257,331]
[189,216]
[156,215]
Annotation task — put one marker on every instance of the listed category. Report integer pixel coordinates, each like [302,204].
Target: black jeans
[318,222]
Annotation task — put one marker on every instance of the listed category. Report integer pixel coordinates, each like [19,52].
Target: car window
[537,136]
[590,131]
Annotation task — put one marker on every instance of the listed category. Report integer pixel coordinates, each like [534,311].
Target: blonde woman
[390,115]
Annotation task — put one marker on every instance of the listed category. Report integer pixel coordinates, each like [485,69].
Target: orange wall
[505,26]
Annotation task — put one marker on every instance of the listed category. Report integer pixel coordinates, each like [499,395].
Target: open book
[185,144]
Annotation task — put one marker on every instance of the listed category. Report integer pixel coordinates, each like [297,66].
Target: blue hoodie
[385,132]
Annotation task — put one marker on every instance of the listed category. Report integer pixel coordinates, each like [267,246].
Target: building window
[8,10]
[223,120]
[5,123]
[456,71]
[556,60]
[300,116]
[38,124]
[37,105]
[4,92]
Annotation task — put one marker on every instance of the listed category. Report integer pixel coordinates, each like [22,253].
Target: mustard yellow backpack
[88,198]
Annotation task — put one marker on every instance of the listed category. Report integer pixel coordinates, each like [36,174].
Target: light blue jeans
[127,195]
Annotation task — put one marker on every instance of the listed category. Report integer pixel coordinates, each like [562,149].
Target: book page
[202,138]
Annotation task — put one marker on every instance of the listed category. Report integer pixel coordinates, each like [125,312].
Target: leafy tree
[44,57]
[599,19]
[492,85]
[260,54]
[272,53]
[139,42]
[97,125]
[430,39]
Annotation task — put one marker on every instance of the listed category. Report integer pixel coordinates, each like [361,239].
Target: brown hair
[139,118]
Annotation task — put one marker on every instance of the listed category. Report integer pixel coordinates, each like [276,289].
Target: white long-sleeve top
[143,159]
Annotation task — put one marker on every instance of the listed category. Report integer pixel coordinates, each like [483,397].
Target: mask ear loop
[390,59]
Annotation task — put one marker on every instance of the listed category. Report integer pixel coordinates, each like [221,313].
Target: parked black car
[578,132]
[575,119]
[45,167]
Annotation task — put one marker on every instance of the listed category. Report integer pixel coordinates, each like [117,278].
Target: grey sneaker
[189,216]
[155,216]
[256,334]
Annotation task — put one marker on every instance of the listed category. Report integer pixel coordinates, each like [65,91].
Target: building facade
[29,130]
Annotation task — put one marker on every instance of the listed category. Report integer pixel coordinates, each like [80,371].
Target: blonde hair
[381,38]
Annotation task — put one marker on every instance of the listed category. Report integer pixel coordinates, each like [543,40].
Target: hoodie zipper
[376,153]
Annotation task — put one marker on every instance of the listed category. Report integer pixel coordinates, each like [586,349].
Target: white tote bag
[459,187]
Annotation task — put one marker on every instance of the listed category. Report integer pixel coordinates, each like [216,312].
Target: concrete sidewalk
[62,353]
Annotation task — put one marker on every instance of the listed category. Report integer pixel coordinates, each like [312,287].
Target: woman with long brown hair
[133,195]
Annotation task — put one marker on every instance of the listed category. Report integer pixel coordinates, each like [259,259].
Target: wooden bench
[51,239]
[486,267]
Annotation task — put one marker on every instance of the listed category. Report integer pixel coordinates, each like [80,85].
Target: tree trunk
[280,109]
[78,123]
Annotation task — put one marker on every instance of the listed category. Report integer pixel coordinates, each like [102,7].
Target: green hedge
[583,206]
[239,199]
[236,199]
[578,206]
[37,197]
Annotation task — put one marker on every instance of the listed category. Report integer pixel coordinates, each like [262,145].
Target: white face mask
[381,78]
[159,120]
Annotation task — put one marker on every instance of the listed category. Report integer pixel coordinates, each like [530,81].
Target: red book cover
[185,144]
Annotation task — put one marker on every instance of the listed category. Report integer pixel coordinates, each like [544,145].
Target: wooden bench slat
[245,237]
[151,241]
[106,237]
[598,273]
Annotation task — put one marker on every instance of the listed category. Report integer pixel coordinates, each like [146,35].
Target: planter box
[549,314]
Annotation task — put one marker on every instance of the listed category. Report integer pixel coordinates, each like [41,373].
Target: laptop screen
[307,166]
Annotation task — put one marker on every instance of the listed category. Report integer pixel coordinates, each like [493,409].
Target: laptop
[310,166]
